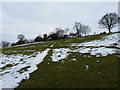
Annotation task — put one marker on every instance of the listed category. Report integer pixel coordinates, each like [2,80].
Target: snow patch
[62,53]
[97,61]
[74,59]
[86,67]
[106,41]
[99,73]
[11,77]
[52,45]
[102,51]
[59,54]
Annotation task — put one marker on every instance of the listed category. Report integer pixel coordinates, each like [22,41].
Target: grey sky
[34,18]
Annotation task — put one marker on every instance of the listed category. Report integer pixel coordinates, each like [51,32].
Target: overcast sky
[34,18]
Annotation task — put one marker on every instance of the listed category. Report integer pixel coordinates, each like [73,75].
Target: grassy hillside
[77,70]
[41,46]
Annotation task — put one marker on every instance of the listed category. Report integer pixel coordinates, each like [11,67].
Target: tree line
[108,21]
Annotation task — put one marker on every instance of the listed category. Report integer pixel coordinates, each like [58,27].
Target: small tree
[59,32]
[38,38]
[25,41]
[66,30]
[21,40]
[53,36]
[81,29]
[72,34]
[109,21]
[78,27]
[21,37]
[5,44]
[31,40]
[13,44]
[86,30]
[44,36]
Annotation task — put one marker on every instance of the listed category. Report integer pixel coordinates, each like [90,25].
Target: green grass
[25,48]
[68,73]
[8,65]
[72,74]
[65,42]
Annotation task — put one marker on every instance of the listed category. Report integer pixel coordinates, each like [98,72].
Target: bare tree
[45,36]
[25,41]
[59,31]
[38,38]
[86,30]
[78,28]
[5,44]
[66,30]
[109,21]
[21,37]
[31,40]
[52,36]
[81,29]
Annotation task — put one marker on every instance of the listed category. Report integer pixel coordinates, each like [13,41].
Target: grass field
[70,68]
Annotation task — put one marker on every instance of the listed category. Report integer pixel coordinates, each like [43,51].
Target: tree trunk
[109,30]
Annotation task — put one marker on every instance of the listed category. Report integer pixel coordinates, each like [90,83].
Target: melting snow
[86,67]
[62,53]
[74,59]
[102,51]
[52,45]
[59,54]
[106,41]
[11,77]
[99,73]
[98,61]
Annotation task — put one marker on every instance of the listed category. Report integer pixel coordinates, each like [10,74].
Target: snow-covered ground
[15,68]
[59,54]
[62,53]
[101,51]
[106,41]
[18,68]
[111,40]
